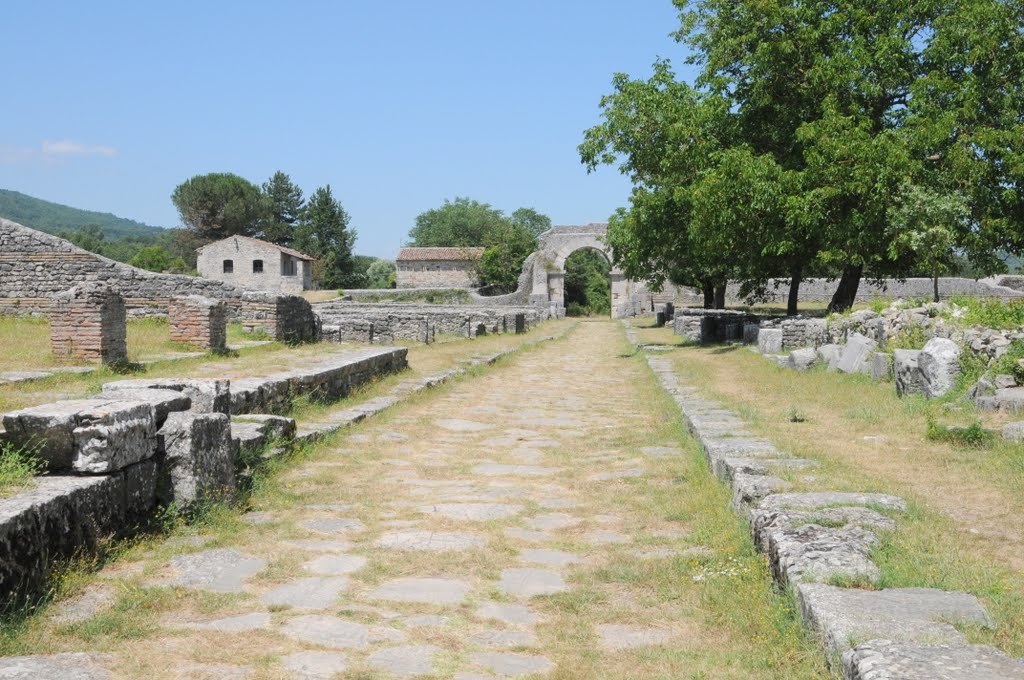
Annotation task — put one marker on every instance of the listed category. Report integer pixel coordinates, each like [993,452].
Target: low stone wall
[814,538]
[711,325]
[35,266]
[288,318]
[387,322]
[114,457]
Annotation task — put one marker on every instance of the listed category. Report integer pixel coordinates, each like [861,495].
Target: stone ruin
[113,458]
[199,321]
[89,322]
[288,318]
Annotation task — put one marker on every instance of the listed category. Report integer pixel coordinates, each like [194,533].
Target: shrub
[973,436]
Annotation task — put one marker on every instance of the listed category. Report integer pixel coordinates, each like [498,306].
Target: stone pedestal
[89,322]
[288,318]
[198,321]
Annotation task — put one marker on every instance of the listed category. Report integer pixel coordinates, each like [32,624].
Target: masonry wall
[242,252]
[35,266]
[436,274]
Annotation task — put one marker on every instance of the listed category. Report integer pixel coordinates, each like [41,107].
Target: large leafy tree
[284,209]
[459,223]
[219,204]
[790,151]
[507,240]
[324,234]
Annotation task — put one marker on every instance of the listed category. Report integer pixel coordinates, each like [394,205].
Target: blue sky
[397,105]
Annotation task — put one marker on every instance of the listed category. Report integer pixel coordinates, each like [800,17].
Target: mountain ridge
[50,217]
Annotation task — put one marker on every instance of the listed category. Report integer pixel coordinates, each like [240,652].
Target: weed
[973,436]
[796,415]
[18,467]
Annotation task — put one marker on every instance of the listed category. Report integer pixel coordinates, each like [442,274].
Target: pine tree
[285,206]
[324,234]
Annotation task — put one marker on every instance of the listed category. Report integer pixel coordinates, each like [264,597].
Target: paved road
[489,530]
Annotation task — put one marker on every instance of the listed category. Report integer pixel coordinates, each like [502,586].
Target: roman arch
[556,245]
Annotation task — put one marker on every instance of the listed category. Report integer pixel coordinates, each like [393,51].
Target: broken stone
[939,363]
[803,359]
[314,665]
[332,632]
[856,354]
[503,638]
[206,396]
[473,512]
[824,499]
[433,541]
[405,661]
[334,525]
[335,565]
[77,666]
[907,373]
[515,614]
[769,340]
[200,456]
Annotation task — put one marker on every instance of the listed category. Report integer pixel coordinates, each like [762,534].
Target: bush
[991,312]
[973,436]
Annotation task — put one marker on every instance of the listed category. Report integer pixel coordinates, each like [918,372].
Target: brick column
[89,322]
[198,321]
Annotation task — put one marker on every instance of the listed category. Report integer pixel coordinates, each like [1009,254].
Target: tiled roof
[283,249]
[435,254]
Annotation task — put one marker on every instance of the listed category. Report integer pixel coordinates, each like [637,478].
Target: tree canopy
[324,234]
[466,223]
[219,205]
[284,207]
[789,154]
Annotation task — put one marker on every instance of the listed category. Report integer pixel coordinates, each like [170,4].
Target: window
[288,266]
[229,266]
[257,266]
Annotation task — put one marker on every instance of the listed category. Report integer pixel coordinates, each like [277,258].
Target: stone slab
[422,590]
[888,660]
[530,582]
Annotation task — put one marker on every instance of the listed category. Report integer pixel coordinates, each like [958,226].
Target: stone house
[437,267]
[256,265]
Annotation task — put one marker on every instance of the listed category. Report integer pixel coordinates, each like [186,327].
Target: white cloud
[66,147]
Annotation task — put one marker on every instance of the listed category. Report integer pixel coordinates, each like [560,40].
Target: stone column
[89,322]
[198,321]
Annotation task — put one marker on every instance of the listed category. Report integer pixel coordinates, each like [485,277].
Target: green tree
[324,234]
[152,258]
[587,284]
[218,205]
[87,237]
[506,248]
[463,223]
[534,222]
[381,274]
[925,225]
[284,209]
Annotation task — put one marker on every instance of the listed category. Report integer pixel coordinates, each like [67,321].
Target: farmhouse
[255,264]
[437,267]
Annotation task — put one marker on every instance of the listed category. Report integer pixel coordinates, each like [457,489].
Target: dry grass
[724,618]
[964,531]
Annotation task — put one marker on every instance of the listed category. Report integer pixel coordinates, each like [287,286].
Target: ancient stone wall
[198,321]
[288,318]
[436,274]
[387,322]
[35,266]
[89,322]
[711,325]
[114,457]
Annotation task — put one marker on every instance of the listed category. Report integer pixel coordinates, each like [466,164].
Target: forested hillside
[54,217]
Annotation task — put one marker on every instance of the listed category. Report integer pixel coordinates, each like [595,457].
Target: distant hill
[54,217]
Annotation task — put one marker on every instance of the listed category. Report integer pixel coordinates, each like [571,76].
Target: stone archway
[556,245]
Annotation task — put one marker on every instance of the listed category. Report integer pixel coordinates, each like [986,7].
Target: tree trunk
[935,285]
[709,295]
[846,293]
[793,302]
[720,297]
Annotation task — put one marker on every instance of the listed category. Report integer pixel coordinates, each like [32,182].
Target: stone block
[803,359]
[199,457]
[906,372]
[85,435]
[254,431]
[939,363]
[769,340]
[198,321]
[886,660]
[287,318]
[57,518]
[205,395]
[1010,400]
[89,322]
[163,401]
[747,489]
[1013,432]
[750,332]
[881,366]
[520,323]
[816,500]
[811,552]
[856,354]
[829,355]
[841,616]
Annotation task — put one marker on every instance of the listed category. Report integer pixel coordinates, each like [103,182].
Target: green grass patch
[18,468]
